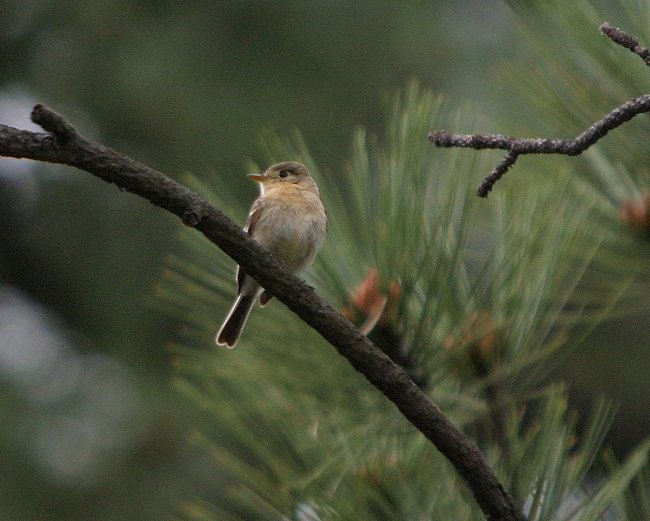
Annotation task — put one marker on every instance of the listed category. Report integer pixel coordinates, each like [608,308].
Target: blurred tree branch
[62,144]
[618,36]
[570,147]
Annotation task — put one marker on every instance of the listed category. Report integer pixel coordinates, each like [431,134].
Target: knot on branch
[191,218]
[54,123]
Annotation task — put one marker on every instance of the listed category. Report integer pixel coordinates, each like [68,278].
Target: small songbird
[288,219]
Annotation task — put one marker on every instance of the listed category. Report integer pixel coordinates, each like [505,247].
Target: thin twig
[64,145]
[627,41]
[570,147]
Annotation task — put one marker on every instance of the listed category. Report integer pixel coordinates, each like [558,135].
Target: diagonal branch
[570,147]
[627,41]
[64,145]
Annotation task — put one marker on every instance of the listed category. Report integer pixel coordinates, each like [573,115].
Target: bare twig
[64,145]
[521,146]
[570,147]
[627,41]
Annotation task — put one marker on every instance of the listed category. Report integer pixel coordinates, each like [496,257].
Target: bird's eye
[283,173]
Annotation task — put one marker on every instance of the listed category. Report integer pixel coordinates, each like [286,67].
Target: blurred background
[92,427]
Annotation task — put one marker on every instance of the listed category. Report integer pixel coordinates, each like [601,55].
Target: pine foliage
[478,301]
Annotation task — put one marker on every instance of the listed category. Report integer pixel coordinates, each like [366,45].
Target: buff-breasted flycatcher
[288,219]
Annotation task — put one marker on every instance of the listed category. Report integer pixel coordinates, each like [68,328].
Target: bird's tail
[235,321]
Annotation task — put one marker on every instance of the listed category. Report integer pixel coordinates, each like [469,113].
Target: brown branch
[570,147]
[627,41]
[64,145]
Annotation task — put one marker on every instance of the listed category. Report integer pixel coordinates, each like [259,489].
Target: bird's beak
[261,177]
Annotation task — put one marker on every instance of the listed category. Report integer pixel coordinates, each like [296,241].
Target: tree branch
[570,147]
[627,41]
[64,145]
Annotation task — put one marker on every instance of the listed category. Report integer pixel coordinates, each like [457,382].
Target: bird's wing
[249,227]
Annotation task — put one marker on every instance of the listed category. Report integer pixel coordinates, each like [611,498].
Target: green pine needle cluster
[588,77]
[481,301]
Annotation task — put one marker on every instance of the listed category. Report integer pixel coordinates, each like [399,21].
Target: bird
[288,219]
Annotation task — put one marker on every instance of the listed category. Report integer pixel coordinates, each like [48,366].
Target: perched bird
[288,219]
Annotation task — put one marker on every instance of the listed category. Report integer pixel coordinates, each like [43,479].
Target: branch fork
[569,147]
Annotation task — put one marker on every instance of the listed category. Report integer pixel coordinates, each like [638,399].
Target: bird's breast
[292,226]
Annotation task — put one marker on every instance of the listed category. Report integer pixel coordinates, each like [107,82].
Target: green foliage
[294,432]
[575,76]
[588,77]
[492,294]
